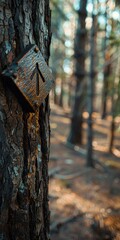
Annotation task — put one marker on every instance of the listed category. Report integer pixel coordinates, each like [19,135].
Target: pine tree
[24,137]
[75,135]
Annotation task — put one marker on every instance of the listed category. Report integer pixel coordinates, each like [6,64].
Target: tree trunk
[61,102]
[69,95]
[111,136]
[91,84]
[75,135]
[24,137]
[115,104]
[105,77]
[55,98]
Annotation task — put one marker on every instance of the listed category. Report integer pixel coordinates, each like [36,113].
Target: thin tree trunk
[75,135]
[105,78]
[24,137]
[111,136]
[115,104]
[69,95]
[90,162]
[54,92]
[62,93]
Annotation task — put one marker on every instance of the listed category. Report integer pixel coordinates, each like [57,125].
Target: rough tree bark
[75,135]
[24,137]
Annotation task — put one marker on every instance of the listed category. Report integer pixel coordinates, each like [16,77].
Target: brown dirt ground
[87,206]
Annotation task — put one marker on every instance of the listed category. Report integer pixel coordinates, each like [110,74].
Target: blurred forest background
[85,120]
[85,59]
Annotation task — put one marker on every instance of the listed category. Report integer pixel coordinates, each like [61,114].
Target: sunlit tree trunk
[24,137]
[75,135]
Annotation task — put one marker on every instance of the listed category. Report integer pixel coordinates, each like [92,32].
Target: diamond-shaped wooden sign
[30,78]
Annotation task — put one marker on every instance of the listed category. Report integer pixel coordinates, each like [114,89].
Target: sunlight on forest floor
[77,202]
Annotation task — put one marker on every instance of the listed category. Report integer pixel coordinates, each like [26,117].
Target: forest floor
[84,202]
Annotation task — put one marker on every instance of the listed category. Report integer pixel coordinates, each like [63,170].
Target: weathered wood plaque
[30,78]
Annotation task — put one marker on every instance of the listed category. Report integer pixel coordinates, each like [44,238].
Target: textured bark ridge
[24,137]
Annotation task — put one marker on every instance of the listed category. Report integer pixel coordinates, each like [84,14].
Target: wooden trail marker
[30,78]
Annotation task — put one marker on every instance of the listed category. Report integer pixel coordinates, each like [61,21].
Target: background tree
[106,70]
[75,135]
[63,27]
[115,91]
[104,54]
[91,85]
[24,137]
